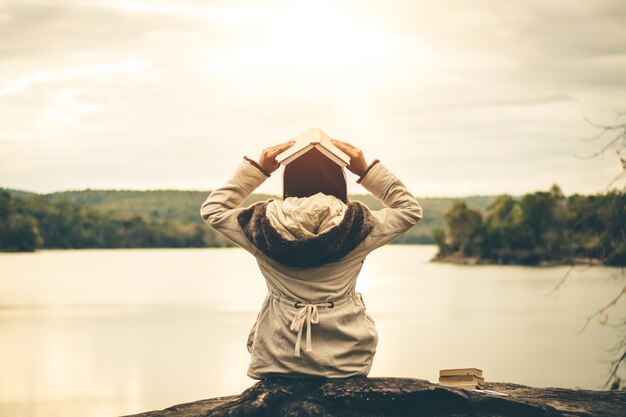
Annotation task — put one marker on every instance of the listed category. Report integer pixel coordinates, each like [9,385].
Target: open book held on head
[313,138]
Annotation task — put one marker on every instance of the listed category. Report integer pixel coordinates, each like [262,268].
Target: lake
[112,332]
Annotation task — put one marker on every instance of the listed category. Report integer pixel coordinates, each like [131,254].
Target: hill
[154,218]
[183,206]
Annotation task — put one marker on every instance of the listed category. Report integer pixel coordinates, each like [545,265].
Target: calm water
[111,332]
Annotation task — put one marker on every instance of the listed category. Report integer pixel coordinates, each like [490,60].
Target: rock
[398,397]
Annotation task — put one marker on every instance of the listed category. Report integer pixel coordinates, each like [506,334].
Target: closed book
[464,386]
[462,379]
[461,371]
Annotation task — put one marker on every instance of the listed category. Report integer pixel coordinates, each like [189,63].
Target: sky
[453,97]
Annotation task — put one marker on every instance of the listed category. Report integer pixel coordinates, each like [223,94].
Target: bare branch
[611,143]
[602,310]
[615,368]
[620,136]
[562,281]
[614,180]
[572,267]
[596,137]
[605,127]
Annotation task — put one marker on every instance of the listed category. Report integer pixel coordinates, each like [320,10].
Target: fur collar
[329,246]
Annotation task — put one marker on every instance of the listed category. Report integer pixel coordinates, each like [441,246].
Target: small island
[370,397]
[542,228]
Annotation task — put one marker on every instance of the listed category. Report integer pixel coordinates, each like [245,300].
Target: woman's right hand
[357,161]
[268,156]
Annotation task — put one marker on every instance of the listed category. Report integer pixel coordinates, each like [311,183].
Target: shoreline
[470,261]
[450,259]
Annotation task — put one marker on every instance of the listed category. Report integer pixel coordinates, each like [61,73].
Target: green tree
[439,236]
[464,227]
[19,233]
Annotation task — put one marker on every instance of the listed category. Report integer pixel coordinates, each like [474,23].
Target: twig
[562,281]
[596,137]
[614,180]
[621,135]
[602,310]
[605,127]
[615,368]
[612,142]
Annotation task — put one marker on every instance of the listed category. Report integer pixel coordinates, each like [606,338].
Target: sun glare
[310,39]
[306,50]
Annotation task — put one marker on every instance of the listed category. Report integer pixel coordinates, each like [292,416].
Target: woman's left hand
[357,161]
[268,156]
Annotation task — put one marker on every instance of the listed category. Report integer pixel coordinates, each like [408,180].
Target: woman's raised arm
[221,208]
[401,212]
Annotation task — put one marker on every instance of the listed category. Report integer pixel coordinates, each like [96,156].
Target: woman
[310,247]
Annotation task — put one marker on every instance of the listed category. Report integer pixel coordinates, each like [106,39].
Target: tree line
[538,228]
[533,229]
[135,219]
[181,206]
[28,223]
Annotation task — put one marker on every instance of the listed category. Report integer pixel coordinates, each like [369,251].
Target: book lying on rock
[453,381]
[468,378]
[461,371]
[313,138]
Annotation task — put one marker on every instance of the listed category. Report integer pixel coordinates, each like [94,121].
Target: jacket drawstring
[310,314]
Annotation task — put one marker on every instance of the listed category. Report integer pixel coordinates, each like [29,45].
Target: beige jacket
[312,321]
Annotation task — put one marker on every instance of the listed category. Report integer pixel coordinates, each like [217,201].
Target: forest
[146,219]
[539,228]
[28,223]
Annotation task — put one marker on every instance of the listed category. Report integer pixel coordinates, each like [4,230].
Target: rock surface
[398,397]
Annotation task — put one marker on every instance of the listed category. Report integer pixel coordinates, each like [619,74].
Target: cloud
[70,74]
[455,97]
